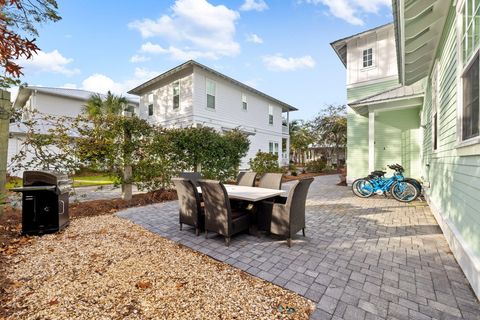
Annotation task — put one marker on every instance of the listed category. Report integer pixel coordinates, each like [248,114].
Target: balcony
[284,129]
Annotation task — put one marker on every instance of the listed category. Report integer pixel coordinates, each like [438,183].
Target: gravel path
[105,267]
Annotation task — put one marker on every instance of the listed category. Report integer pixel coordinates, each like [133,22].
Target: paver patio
[361,258]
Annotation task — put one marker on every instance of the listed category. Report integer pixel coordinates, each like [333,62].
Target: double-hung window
[150,105]
[176,94]
[470,38]
[368,57]
[273,147]
[270,114]
[244,102]
[211,88]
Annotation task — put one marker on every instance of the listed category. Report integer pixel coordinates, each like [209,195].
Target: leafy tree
[99,106]
[265,162]
[18,20]
[330,128]
[300,138]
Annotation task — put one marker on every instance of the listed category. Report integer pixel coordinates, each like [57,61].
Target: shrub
[265,162]
[316,166]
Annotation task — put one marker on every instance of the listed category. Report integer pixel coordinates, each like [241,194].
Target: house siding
[228,113]
[454,180]
[397,140]
[163,112]
[357,145]
[361,91]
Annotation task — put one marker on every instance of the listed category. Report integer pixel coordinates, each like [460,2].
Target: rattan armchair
[219,217]
[289,218]
[190,211]
[271,181]
[246,179]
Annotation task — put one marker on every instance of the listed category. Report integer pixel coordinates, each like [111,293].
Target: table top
[252,194]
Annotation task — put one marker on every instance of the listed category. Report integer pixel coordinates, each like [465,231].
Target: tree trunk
[4,125]
[127,185]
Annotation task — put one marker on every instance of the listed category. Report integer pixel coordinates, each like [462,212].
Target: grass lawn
[97,180]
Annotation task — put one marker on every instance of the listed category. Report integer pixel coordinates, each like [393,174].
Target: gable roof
[191,63]
[340,46]
[24,93]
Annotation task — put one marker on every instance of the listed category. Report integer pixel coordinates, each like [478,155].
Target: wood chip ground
[105,267]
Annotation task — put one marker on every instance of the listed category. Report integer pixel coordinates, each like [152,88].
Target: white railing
[284,129]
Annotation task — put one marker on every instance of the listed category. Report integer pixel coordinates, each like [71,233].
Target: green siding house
[413,98]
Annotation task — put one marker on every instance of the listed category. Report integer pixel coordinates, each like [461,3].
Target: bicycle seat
[378,173]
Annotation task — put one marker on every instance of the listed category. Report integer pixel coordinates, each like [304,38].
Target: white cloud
[279,63]
[257,5]
[176,53]
[195,28]
[136,58]
[102,83]
[351,10]
[254,38]
[52,62]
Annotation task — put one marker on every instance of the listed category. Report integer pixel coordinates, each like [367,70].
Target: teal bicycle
[401,188]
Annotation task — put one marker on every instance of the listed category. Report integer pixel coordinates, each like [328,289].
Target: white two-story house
[57,102]
[192,94]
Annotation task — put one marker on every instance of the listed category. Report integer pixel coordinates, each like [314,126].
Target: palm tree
[97,106]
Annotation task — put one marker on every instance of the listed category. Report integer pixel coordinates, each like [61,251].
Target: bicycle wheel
[404,191]
[416,183]
[362,188]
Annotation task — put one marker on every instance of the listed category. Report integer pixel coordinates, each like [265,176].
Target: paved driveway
[361,258]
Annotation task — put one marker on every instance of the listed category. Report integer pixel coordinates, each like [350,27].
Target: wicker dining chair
[193,176]
[271,181]
[190,211]
[246,179]
[289,218]
[219,217]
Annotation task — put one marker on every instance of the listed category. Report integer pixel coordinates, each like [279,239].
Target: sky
[280,47]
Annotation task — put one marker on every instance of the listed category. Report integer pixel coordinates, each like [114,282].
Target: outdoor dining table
[250,194]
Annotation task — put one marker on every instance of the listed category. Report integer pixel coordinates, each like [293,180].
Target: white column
[288,139]
[371,140]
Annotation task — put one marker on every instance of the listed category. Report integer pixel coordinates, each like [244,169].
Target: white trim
[466,258]
[435,90]
[369,82]
[371,140]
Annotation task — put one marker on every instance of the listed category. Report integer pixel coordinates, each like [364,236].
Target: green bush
[316,166]
[265,162]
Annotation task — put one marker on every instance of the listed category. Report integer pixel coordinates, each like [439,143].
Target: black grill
[44,201]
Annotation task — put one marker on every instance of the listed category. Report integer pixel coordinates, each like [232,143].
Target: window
[270,115]
[435,104]
[367,57]
[150,105]
[273,147]
[176,95]
[211,94]
[130,109]
[469,84]
[470,111]
[244,102]
[470,28]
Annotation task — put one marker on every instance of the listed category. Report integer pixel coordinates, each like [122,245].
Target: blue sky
[281,47]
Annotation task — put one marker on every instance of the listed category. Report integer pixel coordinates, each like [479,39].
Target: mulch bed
[11,224]
[287,178]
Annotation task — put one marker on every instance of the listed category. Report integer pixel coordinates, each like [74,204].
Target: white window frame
[175,83]
[273,148]
[244,102]
[270,115]
[469,146]
[207,82]
[150,102]
[435,114]
[270,147]
[372,60]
